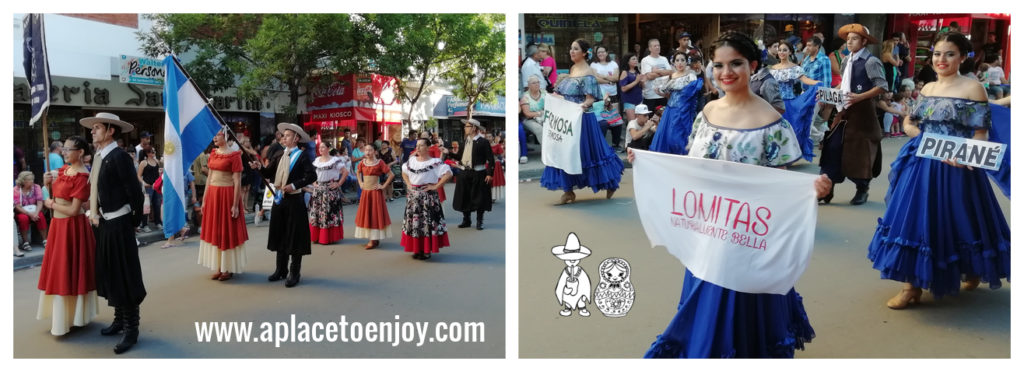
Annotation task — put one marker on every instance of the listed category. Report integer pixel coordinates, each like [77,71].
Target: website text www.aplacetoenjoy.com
[394,332]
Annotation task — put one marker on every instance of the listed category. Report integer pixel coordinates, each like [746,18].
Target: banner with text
[563,124]
[965,151]
[743,227]
[831,96]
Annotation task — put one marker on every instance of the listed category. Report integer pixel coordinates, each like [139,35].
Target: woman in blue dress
[602,169]
[942,223]
[683,88]
[712,321]
[798,108]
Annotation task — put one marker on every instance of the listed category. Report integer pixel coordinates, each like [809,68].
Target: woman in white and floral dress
[423,228]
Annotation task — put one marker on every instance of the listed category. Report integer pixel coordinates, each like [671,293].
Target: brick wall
[120,19]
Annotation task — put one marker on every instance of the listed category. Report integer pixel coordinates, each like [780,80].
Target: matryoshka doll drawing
[614,295]
[573,288]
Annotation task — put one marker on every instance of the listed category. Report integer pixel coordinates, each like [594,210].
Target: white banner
[563,124]
[743,227]
[965,151]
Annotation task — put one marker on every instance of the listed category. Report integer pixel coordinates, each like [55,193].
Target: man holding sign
[853,147]
[943,223]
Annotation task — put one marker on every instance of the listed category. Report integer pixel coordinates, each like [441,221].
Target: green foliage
[479,74]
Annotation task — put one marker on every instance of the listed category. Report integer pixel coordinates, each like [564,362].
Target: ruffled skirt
[942,224]
[799,113]
[372,220]
[602,168]
[714,322]
[222,240]
[325,215]
[424,228]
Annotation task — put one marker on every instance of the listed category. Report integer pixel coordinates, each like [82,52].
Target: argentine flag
[189,126]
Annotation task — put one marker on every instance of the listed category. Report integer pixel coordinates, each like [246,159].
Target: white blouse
[424,172]
[330,170]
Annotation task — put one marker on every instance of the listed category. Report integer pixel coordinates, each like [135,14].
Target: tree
[258,52]
[419,48]
[479,75]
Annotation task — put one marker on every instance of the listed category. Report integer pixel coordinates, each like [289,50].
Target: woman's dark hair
[333,152]
[147,151]
[81,144]
[584,46]
[967,67]
[624,65]
[792,50]
[596,58]
[424,140]
[742,44]
[958,39]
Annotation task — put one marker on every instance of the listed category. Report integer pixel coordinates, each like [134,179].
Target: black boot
[117,325]
[465,220]
[828,198]
[479,220]
[131,330]
[295,273]
[282,267]
[860,198]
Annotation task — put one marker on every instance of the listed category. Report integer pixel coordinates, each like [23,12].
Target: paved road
[463,283]
[843,295]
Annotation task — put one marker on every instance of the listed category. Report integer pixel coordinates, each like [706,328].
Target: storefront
[769,28]
[921,30]
[366,104]
[667,27]
[450,110]
[142,105]
[559,31]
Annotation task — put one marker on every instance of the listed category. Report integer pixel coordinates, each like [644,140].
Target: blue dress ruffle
[715,322]
[677,120]
[1000,132]
[799,113]
[602,168]
[941,223]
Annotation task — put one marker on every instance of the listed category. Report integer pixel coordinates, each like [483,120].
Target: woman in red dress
[372,220]
[222,241]
[498,181]
[67,279]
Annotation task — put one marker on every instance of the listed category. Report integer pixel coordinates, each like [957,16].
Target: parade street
[460,287]
[844,298]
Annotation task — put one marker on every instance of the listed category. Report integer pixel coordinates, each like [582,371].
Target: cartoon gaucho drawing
[573,288]
[614,294]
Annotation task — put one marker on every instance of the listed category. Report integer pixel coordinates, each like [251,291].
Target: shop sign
[569,23]
[457,107]
[141,70]
[113,94]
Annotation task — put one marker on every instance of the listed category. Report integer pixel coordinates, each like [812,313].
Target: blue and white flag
[189,126]
[37,66]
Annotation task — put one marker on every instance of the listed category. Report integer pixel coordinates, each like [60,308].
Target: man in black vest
[852,147]
[115,208]
[290,171]
[473,184]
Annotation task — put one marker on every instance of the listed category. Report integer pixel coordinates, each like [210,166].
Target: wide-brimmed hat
[789,28]
[859,29]
[303,137]
[641,109]
[474,122]
[106,117]
[572,250]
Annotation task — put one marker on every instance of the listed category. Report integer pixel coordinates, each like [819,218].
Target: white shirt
[327,171]
[649,64]
[531,67]
[632,125]
[106,149]
[420,177]
[606,70]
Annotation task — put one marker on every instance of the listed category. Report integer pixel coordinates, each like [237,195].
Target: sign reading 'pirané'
[965,151]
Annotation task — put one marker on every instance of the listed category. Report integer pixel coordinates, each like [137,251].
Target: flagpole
[206,101]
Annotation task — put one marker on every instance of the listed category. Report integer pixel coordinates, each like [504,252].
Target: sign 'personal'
[560,147]
[965,151]
[831,96]
[725,221]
